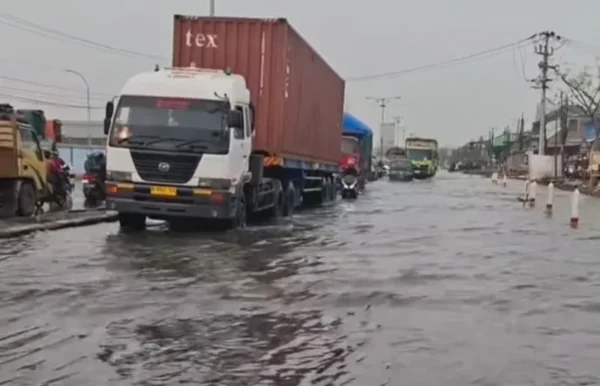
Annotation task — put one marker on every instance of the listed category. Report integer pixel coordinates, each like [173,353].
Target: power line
[35,93]
[47,85]
[29,26]
[581,46]
[48,103]
[488,52]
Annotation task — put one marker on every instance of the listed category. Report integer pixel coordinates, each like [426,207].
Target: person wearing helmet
[54,166]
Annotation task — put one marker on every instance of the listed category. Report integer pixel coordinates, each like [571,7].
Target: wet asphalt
[442,282]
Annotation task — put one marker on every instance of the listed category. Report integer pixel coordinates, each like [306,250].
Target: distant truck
[423,152]
[247,122]
[357,149]
[47,130]
[23,172]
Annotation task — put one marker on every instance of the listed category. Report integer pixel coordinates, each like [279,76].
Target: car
[401,170]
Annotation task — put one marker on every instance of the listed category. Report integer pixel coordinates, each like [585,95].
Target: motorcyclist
[96,164]
[54,166]
[53,170]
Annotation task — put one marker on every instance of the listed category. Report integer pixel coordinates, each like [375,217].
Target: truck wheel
[132,222]
[278,206]
[26,200]
[324,197]
[289,200]
[332,189]
[240,220]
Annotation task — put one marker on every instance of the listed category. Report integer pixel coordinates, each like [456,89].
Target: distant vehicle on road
[423,152]
[94,179]
[401,169]
[357,148]
[24,169]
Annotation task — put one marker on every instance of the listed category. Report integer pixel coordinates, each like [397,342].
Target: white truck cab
[179,145]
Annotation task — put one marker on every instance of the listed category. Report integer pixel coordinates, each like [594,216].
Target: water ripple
[449,281]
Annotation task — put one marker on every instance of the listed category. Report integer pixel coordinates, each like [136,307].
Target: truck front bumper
[188,202]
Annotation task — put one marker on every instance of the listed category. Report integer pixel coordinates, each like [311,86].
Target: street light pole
[211,11]
[89,107]
[383,104]
[87,89]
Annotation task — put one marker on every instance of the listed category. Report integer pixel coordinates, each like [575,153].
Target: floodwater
[443,282]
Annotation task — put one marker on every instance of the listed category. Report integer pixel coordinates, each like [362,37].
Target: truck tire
[289,200]
[26,200]
[332,192]
[278,204]
[132,221]
[240,220]
[324,196]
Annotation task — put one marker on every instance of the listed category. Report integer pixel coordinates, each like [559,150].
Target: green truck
[423,152]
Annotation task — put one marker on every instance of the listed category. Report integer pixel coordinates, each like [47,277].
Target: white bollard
[504,181]
[532,193]
[575,209]
[526,193]
[550,198]
[495,177]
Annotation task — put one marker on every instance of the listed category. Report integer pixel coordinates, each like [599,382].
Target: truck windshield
[349,146]
[189,125]
[419,154]
[401,165]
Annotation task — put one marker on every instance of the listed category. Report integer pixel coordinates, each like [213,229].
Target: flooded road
[448,282]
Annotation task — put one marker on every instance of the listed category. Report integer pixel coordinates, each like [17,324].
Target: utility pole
[546,52]
[398,119]
[382,102]
[557,128]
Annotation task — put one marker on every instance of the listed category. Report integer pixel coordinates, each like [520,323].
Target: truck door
[241,146]
[34,165]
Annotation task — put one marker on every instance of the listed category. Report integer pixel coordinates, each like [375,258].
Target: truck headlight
[116,176]
[214,183]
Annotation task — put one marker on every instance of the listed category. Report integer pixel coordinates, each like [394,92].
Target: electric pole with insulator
[382,102]
[544,49]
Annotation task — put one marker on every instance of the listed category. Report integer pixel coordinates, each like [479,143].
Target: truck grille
[181,167]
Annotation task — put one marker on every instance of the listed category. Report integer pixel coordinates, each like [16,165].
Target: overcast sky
[454,104]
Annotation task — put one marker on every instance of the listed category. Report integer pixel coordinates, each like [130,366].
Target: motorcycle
[63,197]
[349,181]
[350,186]
[94,188]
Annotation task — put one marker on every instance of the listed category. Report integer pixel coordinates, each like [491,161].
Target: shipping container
[54,130]
[37,120]
[299,98]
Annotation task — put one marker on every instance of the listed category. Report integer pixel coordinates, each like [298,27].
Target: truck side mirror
[235,119]
[110,110]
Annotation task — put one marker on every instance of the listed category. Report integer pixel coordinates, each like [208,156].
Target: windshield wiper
[193,144]
[134,139]
[163,139]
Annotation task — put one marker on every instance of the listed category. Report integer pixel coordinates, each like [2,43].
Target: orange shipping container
[299,98]
[49,130]
[53,130]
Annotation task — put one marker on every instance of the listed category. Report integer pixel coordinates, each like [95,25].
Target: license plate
[163,191]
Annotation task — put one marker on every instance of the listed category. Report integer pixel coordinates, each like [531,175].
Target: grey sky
[454,104]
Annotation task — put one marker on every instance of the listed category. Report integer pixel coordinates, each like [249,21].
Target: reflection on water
[447,281]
